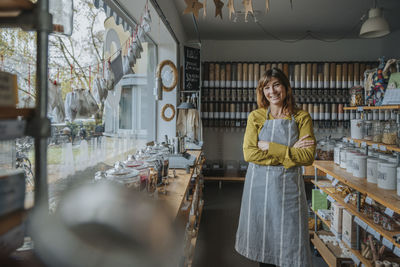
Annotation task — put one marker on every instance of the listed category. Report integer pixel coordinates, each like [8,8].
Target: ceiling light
[375,26]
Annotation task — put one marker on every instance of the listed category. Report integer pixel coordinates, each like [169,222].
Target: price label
[360,222]
[363,144]
[347,198]
[389,212]
[331,199]
[360,108]
[375,146]
[351,141]
[369,200]
[396,251]
[355,259]
[374,233]
[335,182]
[387,243]
[330,177]
[383,148]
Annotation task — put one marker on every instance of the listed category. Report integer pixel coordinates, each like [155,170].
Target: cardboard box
[12,191]
[8,89]
[349,229]
[337,219]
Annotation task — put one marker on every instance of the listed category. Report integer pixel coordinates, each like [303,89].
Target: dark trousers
[266,265]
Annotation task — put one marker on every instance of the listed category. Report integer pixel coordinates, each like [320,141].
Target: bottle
[340,113]
[243,115]
[346,121]
[321,113]
[327,113]
[334,112]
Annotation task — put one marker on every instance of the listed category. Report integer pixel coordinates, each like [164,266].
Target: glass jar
[356,96]
[389,135]
[377,131]
[368,135]
[320,145]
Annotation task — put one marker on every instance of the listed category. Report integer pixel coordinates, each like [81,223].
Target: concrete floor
[215,245]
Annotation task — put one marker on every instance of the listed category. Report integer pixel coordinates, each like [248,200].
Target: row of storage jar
[377,131]
[378,168]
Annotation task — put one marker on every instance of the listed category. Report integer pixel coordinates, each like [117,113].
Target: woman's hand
[302,143]
[263,145]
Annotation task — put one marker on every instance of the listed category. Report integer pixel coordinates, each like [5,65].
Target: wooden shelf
[13,113]
[357,253]
[388,198]
[353,210]
[11,220]
[380,146]
[326,222]
[372,108]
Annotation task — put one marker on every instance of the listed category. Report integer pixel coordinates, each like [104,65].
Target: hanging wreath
[168,74]
[164,109]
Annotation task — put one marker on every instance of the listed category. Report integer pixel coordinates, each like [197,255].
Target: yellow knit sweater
[278,154]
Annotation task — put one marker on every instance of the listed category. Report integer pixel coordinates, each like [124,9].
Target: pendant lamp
[375,26]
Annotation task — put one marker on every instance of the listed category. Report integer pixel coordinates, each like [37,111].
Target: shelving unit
[380,146]
[353,210]
[387,198]
[361,108]
[34,122]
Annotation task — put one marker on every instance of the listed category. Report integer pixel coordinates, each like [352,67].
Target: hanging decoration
[248,6]
[231,8]
[204,8]
[218,8]
[193,6]
[146,19]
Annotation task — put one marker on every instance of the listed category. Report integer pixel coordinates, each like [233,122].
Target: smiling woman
[279,139]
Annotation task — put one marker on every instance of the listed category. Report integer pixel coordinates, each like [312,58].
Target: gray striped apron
[273,222]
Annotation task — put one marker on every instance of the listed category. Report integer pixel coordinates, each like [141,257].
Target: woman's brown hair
[289,104]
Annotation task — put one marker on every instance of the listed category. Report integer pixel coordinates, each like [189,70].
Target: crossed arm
[270,153]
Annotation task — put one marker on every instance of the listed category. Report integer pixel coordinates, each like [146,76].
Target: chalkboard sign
[192,68]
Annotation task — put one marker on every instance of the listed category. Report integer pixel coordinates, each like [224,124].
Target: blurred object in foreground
[103,224]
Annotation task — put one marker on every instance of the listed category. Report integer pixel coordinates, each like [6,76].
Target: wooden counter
[177,187]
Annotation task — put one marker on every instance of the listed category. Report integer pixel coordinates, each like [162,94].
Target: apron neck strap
[269,111]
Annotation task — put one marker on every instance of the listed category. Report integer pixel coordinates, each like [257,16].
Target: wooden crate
[329,253]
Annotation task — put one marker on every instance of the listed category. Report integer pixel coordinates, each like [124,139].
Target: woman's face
[275,92]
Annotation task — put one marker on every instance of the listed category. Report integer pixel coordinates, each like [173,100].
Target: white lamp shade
[375,26]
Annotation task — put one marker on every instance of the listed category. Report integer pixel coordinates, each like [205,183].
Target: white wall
[166,51]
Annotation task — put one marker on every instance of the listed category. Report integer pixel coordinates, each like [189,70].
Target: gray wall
[307,50]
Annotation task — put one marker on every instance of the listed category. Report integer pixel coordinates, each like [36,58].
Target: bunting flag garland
[231,8]
[248,6]
[193,6]
[218,8]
